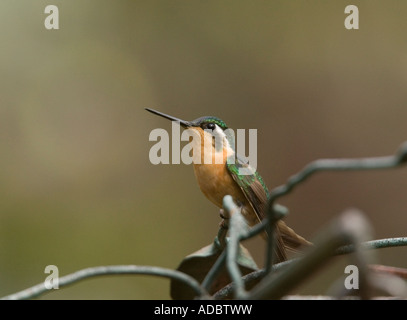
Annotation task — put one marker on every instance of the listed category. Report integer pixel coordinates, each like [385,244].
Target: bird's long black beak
[183,123]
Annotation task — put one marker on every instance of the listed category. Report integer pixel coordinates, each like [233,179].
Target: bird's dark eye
[211,126]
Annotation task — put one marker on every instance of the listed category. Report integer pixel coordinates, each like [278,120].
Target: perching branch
[399,272]
[87,273]
[347,229]
[373,163]
[237,228]
[368,245]
[375,244]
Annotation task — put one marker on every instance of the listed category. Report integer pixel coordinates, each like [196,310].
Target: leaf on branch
[198,264]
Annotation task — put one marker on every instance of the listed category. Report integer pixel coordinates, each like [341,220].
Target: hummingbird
[217,180]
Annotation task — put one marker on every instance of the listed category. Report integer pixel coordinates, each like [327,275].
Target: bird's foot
[225,219]
[223,214]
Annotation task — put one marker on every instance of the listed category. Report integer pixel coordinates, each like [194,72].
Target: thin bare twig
[237,228]
[399,272]
[87,273]
[373,163]
[347,229]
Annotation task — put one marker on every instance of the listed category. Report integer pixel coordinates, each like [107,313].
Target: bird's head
[203,126]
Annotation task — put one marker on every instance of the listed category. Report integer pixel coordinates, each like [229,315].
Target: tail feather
[291,240]
[287,240]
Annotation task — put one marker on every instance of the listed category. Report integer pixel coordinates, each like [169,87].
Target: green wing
[252,185]
[257,194]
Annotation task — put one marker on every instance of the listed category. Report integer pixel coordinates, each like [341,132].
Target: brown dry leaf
[200,262]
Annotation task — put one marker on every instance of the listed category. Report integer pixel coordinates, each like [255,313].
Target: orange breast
[215,182]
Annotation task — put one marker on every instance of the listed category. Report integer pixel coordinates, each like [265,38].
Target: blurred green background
[76,185]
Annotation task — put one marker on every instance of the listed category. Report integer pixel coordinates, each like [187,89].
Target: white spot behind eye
[220,138]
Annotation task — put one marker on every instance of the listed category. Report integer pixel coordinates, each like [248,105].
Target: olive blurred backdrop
[76,185]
